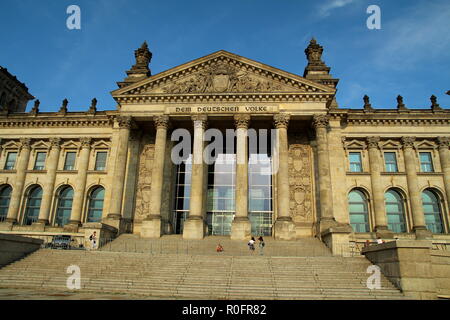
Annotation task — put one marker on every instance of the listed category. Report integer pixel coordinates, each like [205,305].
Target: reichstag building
[342,175]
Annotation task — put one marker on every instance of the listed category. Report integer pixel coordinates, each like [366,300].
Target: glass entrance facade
[182,194]
[221,204]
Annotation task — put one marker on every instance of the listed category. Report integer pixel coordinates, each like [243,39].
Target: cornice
[24,121]
[230,97]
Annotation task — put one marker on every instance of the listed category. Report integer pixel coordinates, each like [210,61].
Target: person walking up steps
[251,244]
[262,244]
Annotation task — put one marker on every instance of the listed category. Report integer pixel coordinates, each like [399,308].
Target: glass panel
[432,211]
[100,161]
[355,162]
[395,211]
[10,161]
[96,205]
[40,161]
[70,161]
[359,215]
[5,196]
[390,161]
[426,163]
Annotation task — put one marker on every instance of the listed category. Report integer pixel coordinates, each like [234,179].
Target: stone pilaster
[376,166]
[284,226]
[444,154]
[52,166]
[241,227]
[21,171]
[194,226]
[78,199]
[413,189]
[120,168]
[151,226]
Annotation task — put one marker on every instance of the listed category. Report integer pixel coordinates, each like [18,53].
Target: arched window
[95,207]
[5,197]
[34,200]
[358,210]
[395,211]
[432,211]
[64,208]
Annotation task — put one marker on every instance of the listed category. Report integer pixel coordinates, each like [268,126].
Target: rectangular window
[426,162]
[100,161]
[390,161]
[40,161]
[355,162]
[10,160]
[69,164]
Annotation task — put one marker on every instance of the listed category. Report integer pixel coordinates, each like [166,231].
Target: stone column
[284,226]
[194,226]
[151,226]
[21,172]
[241,228]
[444,154]
[376,166]
[78,199]
[120,168]
[415,197]
[320,123]
[52,166]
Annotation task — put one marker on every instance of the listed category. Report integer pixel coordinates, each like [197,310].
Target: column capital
[372,142]
[161,122]
[125,122]
[200,120]
[320,121]
[55,142]
[86,142]
[408,142]
[443,142]
[25,143]
[242,121]
[281,120]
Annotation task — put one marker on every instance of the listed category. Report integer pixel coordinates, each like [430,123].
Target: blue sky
[410,55]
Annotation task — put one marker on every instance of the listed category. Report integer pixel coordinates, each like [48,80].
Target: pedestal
[194,229]
[151,228]
[241,229]
[285,230]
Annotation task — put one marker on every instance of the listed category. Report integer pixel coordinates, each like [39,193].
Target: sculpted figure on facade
[300,179]
[222,77]
[144,180]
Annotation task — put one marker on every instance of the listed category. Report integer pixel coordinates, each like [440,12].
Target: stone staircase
[174,244]
[200,276]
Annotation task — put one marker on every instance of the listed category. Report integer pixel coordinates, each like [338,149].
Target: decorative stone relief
[223,77]
[144,182]
[300,179]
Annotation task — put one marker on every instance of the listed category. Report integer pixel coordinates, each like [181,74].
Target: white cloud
[325,9]
[418,35]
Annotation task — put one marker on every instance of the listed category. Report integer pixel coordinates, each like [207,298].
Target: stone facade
[315,142]
[14,95]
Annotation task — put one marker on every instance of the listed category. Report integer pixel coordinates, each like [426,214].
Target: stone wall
[14,247]
[440,260]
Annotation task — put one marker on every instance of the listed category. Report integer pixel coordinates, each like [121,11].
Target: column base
[72,226]
[6,226]
[38,226]
[241,229]
[151,228]
[194,229]
[285,229]
[422,233]
[383,232]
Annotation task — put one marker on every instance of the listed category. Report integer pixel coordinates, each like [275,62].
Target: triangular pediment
[223,73]
[390,144]
[71,144]
[101,144]
[354,144]
[426,144]
[41,144]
